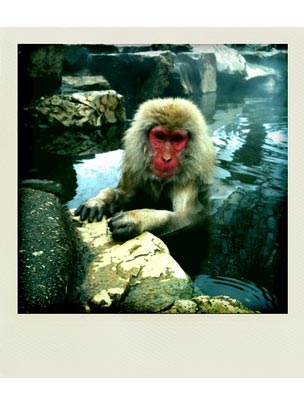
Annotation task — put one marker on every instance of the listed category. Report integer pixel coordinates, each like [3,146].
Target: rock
[76,59]
[46,253]
[138,75]
[258,71]
[247,70]
[267,70]
[175,48]
[183,307]
[207,104]
[39,70]
[144,75]
[229,61]
[136,276]
[49,186]
[258,47]
[205,304]
[160,282]
[66,268]
[84,83]
[194,74]
[274,58]
[92,108]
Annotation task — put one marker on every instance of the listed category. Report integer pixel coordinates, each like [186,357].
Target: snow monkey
[168,157]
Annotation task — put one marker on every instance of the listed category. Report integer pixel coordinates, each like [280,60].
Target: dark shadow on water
[190,247]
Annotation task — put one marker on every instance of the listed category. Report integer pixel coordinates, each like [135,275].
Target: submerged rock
[205,304]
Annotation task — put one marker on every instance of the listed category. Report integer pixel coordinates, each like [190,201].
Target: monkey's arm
[187,211]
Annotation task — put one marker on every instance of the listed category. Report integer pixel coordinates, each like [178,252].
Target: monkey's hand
[89,210]
[125,225]
[104,204]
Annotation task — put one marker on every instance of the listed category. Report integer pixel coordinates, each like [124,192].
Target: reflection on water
[251,141]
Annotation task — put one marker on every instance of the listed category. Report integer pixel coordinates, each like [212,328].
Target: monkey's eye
[177,138]
[160,136]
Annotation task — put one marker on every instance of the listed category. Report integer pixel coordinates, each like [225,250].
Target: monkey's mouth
[164,174]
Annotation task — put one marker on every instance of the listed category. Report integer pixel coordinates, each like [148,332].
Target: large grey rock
[46,253]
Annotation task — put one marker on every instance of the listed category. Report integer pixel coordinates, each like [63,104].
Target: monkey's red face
[167,145]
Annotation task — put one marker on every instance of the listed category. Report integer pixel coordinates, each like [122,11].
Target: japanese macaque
[168,157]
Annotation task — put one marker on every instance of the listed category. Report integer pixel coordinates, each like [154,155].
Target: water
[250,234]
[247,258]
[96,173]
[247,292]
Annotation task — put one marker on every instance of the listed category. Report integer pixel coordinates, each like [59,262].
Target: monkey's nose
[166,155]
[166,159]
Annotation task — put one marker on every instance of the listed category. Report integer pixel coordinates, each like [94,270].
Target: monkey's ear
[190,134]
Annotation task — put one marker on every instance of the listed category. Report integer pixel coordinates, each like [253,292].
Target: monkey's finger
[118,216]
[99,214]
[110,224]
[111,210]
[78,210]
[84,213]
[92,213]
[114,221]
[120,235]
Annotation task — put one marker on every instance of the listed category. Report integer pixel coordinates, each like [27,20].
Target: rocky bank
[66,266]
